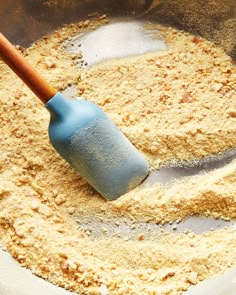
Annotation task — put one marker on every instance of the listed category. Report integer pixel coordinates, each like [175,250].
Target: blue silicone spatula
[83,134]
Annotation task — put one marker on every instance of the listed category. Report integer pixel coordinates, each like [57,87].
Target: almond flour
[178,104]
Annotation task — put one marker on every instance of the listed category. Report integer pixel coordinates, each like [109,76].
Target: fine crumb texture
[174,104]
[177,104]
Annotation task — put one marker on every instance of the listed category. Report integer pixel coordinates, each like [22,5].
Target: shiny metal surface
[15,280]
[223,285]
[116,40]
[24,21]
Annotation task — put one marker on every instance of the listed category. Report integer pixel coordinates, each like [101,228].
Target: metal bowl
[24,21]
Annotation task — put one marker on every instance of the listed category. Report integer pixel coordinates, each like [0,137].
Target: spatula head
[87,138]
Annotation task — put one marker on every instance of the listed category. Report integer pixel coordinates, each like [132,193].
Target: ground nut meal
[177,104]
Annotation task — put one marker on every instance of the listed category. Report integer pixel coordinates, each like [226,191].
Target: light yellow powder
[169,103]
[178,104]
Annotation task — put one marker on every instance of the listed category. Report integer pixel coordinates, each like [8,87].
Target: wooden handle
[25,71]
